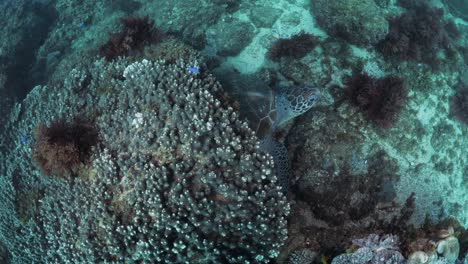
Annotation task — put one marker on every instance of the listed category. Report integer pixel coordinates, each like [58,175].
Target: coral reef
[28,25]
[436,243]
[458,8]
[269,111]
[321,66]
[418,34]
[365,193]
[386,249]
[229,5]
[177,177]
[264,16]
[257,106]
[127,6]
[136,33]
[170,49]
[280,158]
[302,256]
[373,249]
[448,246]
[365,175]
[294,47]
[192,20]
[357,21]
[459,104]
[3,254]
[7,220]
[380,99]
[219,36]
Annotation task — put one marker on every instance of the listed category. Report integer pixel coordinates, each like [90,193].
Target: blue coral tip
[193,70]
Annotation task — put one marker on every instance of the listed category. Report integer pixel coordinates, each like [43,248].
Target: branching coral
[61,146]
[176,177]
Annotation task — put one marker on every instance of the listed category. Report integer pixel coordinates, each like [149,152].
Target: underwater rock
[135,34]
[364,174]
[381,100]
[26,27]
[459,104]
[294,47]
[458,8]
[3,254]
[420,34]
[228,37]
[359,21]
[264,16]
[313,68]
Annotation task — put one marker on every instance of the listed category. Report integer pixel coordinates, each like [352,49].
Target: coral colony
[234,132]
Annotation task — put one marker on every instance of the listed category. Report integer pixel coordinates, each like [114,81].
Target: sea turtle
[268,110]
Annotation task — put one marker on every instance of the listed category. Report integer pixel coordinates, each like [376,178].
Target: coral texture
[302,256]
[219,37]
[177,177]
[280,157]
[373,249]
[357,21]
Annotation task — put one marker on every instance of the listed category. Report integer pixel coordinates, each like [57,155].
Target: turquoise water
[291,131]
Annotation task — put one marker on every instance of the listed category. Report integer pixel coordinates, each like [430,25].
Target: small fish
[256,94]
[193,69]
